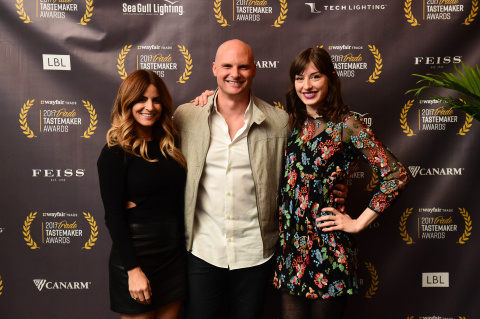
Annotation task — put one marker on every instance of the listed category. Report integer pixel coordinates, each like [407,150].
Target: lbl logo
[435,279]
[56,62]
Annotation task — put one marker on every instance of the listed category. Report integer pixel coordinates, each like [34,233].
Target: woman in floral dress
[317,257]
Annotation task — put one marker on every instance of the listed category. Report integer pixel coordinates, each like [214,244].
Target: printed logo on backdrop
[153,8]
[333,6]
[42,284]
[60,228]
[436,316]
[434,224]
[428,11]
[55,9]
[356,61]
[433,115]
[57,174]
[58,117]
[1,285]
[164,60]
[370,282]
[273,12]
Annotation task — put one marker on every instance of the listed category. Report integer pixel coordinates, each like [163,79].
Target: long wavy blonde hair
[122,132]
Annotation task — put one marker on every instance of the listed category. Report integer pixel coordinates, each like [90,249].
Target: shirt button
[229,240]
[228,217]
[228,194]
[229,169]
[230,146]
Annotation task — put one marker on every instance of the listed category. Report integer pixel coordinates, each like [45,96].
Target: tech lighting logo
[61,285]
[435,171]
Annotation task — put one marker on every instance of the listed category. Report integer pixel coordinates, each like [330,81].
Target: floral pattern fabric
[310,262]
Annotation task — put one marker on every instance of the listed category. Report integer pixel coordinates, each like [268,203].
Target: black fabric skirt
[160,250]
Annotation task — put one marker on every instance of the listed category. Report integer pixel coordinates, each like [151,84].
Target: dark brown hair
[123,133]
[333,106]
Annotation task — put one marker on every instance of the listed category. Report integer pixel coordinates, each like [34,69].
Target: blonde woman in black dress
[142,180]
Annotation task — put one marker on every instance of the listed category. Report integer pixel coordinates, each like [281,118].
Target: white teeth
[146,115]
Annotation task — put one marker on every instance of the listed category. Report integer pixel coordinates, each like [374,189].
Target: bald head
[234,69]
[237,46]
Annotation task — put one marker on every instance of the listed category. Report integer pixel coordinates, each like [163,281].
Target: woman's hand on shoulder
[139,286]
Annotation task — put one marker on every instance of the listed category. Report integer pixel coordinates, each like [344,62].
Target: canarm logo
[61,285]
[435,171]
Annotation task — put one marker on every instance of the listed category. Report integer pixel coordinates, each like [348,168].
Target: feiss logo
[430,60]
[79,172]
[60,285]
[435,171]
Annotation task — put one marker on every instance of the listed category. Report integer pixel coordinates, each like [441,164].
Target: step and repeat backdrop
[62,62]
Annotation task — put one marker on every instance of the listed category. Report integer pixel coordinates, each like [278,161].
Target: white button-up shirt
[226,230]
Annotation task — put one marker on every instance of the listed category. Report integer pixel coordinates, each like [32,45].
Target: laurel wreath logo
[468,226]
[466,127]
[26,231]
[1,285]
[283,14]
[373,182]
[188,65]
[403,119]
[88,13]
[23,119]
[374,286]
[408,13]
[279,105]
[403,227]
[218,13]
[93,231]
[121,61]
[378,64]
[93,119]
[473,13]
[21,12]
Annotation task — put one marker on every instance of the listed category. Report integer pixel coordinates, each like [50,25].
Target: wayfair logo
[40,283]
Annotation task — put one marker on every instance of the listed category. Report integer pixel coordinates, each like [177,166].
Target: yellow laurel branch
[373,182]
[279,105]
[378,64]
[374,286]
[1,285]
[21,12]
[403,227]
[121,61]
[93,231]
[403,119]
[26,231]
[88,13]
[460,317]
[466,127]
[468,226]
[23,119]
[93,120]
[409,15]
[188,65]
[218,13]
[473,13]
[283,14]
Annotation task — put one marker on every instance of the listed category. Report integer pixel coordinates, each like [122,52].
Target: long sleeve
[112,173]
[385,165]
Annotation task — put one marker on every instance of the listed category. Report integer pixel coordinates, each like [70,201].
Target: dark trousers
[214,292]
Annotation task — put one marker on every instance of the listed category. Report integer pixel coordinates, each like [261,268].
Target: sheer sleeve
[112,173]
[385,165]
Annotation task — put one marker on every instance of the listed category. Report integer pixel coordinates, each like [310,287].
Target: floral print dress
[310,262]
